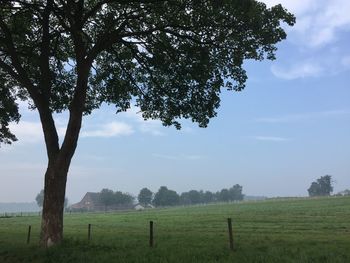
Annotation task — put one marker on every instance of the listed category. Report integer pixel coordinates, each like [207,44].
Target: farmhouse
[91,202]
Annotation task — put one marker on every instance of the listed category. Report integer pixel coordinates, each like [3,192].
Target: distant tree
[194,196]
[40,198]
[224,195]
[145,196]
[185,199]
[106,197]
[235,193]
[208,197]
[122,198]
[191,197]
[65,202]
[322,186]
[314,189]
[128,199]
[166,197]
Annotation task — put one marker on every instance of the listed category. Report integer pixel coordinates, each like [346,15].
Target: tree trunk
[52,216]
[60,159]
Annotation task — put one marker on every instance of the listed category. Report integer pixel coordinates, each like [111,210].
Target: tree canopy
[145,196]
[322,187]
[171,56]
[108,197]
[166,197]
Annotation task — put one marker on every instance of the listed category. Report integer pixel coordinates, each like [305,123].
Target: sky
[290,126]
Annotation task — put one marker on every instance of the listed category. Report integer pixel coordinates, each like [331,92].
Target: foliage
[145,196]
[172,56]
[199,197]
[291,231]
[235,193]
[322,187]
[40,198]
[8,113]
[122,198]
[107,197]
[166,197]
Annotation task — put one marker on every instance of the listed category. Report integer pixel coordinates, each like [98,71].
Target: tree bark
[52,216]
[55,182]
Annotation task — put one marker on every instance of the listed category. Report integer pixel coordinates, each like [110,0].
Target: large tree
[171,58]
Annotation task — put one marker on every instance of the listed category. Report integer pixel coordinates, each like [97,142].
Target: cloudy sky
[290,126]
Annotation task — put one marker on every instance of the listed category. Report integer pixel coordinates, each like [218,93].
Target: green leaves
[171,57]
[8,113]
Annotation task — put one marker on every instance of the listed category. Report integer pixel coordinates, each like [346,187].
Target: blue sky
[289,126]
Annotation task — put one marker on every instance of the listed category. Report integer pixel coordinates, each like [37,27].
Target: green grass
[291,230]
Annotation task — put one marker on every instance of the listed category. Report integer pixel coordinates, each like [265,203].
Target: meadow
[277,230]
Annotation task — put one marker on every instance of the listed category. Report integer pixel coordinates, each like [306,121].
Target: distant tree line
[167,197]
[163,197]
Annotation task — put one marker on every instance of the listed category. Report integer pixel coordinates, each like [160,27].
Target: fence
[19,214]
[151,233]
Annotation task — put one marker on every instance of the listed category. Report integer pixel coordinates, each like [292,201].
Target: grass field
[291,230]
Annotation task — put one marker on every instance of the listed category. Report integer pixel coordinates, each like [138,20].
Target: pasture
[286,230]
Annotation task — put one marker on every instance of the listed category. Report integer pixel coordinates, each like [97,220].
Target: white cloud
[317,20]
[31,131]
[27,132]
[302,70]
[112,129]
[271,138]
[294,6]
[321,27]
[153,127]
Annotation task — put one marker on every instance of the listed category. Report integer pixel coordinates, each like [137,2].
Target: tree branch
[25,81]
[45,79]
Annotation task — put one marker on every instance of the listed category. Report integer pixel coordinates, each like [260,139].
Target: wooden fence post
[151,233]
[229,224]
[89,232]
[28,235]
